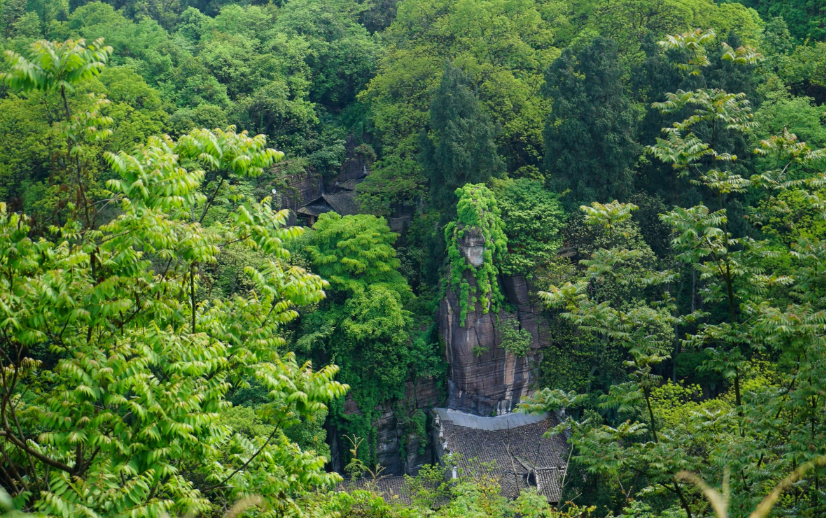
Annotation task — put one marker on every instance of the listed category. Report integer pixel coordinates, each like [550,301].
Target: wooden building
[343,202]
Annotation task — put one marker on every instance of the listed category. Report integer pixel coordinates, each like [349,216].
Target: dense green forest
[173,344]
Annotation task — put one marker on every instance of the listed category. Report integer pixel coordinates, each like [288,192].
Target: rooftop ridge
[499,422]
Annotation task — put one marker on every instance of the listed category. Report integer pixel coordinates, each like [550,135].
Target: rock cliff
[398,449]
[483,377]
[303,187]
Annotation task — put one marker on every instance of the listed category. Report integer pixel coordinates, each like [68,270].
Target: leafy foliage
[502,47]
[514,340]
[55,65]
[145,363]
[751,305]
[478,220]
[470,494]
[342,55]
[806,18]
[356,252]
[154,360]
[533,219]
[366,326]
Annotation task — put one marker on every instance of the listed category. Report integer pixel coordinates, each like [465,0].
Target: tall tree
[363,324]
[116,363]
[662,72]
[460,147]
[589,136]
[10,12]
[55,67]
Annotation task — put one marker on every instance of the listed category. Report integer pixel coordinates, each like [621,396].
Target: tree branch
[211,199]
[243,466]
[683,501]
[34,453]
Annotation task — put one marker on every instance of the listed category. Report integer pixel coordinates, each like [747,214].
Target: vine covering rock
[477,211]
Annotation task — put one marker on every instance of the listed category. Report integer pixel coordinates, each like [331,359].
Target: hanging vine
[476,210]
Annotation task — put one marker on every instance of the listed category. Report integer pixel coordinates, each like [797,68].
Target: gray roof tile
[343,203]
[519,457]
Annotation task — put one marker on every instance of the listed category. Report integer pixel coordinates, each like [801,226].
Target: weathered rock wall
[397,449]
[302,188]
[307,185]
[483,377]
[354,166]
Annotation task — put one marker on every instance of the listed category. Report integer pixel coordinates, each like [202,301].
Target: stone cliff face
[398,450]
[483,377]
[307,185]
[354,166]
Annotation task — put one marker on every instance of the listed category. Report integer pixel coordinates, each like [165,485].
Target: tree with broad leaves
[761,298]
[116,367]
[60,67]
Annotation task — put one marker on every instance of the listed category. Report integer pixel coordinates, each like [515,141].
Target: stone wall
[307,185]
[302,188]
[353,166]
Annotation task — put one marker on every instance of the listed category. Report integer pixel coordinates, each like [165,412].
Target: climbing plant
[515,340]
[476,211]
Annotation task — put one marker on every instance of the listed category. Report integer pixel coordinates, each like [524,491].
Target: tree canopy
[630,191]
[460,147]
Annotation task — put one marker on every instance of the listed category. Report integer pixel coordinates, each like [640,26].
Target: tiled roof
[499,422]
[519,457]
[315,207]
[344,203]
[548,482]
